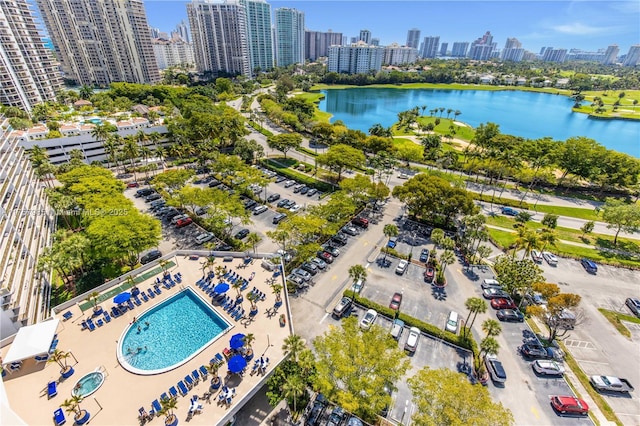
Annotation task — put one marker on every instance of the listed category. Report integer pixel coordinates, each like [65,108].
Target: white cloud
[577,28]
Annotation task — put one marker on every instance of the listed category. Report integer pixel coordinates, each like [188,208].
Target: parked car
[393,241]
[396,301]
[310,267]
[214,182]
[402,267]
[295,208]
[282,203]
[297,280]
[184,222]
[314,416]
[304,190]
[326,256]
[357,286]
[260,209]
[550,258]
[412,340]
[610,384]
[319,262]
[302,273]
[510,315]
[340,238]
[569,404]
[152,197]
[204,237]
[133,185]
[495,369]
[452,322]
[490,283]
[350,230]
[150,256]
[368,319]
[509,211]
[536,256]
[535,351]
[589,265]
[634,305]
[493,293]
[278,218]
[280,178]
[536,299]
[298,188]
[342,308]
[176,218]
[503,303]
[361,222]
[144,192]
[332,250]
[424,255]
[429,274]
[289,183]
[250,204]
[242,234]
[403,176]
[273,197]
[312,192]
[397,328]
[547,367]
[336,417]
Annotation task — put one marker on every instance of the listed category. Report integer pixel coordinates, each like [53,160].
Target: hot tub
[88,384]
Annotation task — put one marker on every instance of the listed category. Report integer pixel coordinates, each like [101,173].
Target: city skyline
[586,25]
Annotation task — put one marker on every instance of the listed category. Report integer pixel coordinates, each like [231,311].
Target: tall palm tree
[390,230]
[294,388]
[131,149]
[447,258]
[491,327]
[85,92]
[237,285]
[548,237]
[253,239]
[276,289]
[111,148]
[476,306]
[248,340]
[527,240]
[294,345]
[489,346]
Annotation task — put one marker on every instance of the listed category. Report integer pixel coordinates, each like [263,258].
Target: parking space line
[535,412]
[324,317]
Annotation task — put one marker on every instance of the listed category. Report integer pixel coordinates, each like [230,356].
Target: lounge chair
[203,372]
[100,322]
[58,417]
[84,324]
[144,297]
[189,381]
[143,415]
[183,388]
[41,358]
[155,406]
[157,289]
[130,304]
[219,357]
[67,315]
[52,389]
[151,293]
[91,325]
[137,301]
[173,391]
[196,376]
[107,317]
[165,396]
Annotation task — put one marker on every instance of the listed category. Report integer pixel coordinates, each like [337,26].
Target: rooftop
[121,395]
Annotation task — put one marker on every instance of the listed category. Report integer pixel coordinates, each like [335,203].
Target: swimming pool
[170,334]
[88,384]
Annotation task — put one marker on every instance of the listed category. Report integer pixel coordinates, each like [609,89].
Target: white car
[295,208]
[368,319]
[550,258]
[175,219]
[547,368]
[412,341]
[402,267]
[536,256]
[403,176]
[204,237]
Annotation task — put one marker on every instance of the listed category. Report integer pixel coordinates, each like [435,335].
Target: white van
[412,341]
[452,323]
[488,282]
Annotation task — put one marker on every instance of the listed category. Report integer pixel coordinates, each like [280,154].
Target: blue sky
[583,24]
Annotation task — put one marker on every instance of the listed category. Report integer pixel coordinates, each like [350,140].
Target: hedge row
[260,129]
[464,342]
[302,178]
[502,201]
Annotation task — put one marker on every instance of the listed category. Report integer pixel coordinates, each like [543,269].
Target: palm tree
[437,236]
[528,240]
[131,150]
[491,327]
[85,92]
[447,258]
[276,289]
[60,357]
[390,230]
[456,113]
[483,252]
[358,272]
[294,345]
[72,405]
[168,405]
[476,306]
[237,285]
[248,340]
[548,237]
[293,388]
[489,346]
[93,298]
[253,239]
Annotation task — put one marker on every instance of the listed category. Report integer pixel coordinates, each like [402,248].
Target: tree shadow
[438,293]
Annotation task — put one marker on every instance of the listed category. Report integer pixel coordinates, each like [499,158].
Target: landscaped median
[458,340]
[285,168]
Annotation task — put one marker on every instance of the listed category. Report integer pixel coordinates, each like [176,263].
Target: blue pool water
[178,329]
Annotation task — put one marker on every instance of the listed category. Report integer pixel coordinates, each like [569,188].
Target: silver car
[547,367]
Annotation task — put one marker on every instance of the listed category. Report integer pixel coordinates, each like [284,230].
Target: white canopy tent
[32,340]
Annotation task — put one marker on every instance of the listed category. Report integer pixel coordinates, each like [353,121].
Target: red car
[569,404]
[133,185]
[325,256]
[184,222]
[396,300]
[503,303]
[429,273]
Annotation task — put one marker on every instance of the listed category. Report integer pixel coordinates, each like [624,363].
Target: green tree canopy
[341,157]
[284,142]
[354,366]
[621,217]
[517,275]
[444,398]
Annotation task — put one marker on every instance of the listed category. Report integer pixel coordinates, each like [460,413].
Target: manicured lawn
[616,318]
[577,212]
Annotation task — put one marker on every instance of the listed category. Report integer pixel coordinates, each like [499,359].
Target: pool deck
[123,393]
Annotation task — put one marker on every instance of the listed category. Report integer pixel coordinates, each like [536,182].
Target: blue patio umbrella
[122,297]
[237,341]
[221,288]
[236,363]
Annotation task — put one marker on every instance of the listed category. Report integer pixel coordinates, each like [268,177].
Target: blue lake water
[527,114]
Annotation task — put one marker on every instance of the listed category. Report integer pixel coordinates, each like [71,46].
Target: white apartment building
[289,36]
[429,48]
[413,38]
[260,37]
[26,224]
[633,56]
[170,53]
[101,41]
[394,54]
[219,33]
[28,72]
[355,59]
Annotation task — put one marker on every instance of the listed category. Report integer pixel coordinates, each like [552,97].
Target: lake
[528,114]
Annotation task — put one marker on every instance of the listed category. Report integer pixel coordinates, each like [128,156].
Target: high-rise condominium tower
[182,29]
[611,54]
[317,43]
[365,35]
[289,29]
[259,34]
[219,33]
[430,47]
[101,41]
[413,38]
[633,56]
[28,74]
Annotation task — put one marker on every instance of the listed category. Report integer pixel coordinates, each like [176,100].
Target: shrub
[302,178]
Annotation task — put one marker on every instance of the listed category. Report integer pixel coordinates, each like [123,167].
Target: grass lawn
[616,318]
[577,212]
